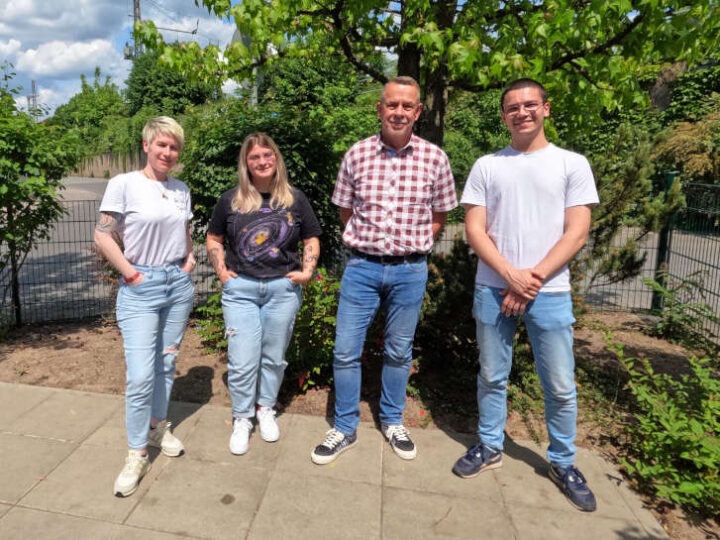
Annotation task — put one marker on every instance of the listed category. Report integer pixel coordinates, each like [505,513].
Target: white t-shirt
[525,196]
[154,217]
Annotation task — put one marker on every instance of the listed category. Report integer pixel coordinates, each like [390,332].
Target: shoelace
[241,424]
[264,413]
[399,432]
[475,451]
[572,474]
[332,438]
[134,463]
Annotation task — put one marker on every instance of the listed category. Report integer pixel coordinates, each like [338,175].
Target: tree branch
[601,48]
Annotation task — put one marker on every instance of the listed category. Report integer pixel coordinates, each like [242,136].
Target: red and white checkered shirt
[393,195]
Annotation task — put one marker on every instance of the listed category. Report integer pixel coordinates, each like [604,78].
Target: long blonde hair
[247,198]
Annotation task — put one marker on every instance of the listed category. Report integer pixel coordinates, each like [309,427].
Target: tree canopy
[591,54]
[166,90]
[33,158]
[87,110]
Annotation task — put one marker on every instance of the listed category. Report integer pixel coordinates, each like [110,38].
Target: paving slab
[26,461]
[210,438]
[361,463]
[631,499]
[64,527]
[300,506]
[573,524]
[68,415]
[61,451]
[17,399]
[17,523]
[421,515]
[431,470]
[209,500]
[83,485]
[112,434]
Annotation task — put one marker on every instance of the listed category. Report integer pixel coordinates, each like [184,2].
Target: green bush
[310,354]
[674,448]
[214,136]
[683,320]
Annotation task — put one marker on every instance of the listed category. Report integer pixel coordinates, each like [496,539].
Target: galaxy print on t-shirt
[264,236]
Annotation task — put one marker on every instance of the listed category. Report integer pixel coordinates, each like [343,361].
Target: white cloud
[36,21]
[59,59]
[9,49]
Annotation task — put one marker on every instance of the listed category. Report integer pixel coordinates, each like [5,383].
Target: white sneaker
[240,436]
[269,430]
[162,438]
[136,465]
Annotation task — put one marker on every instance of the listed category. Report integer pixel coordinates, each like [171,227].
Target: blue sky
[55,41]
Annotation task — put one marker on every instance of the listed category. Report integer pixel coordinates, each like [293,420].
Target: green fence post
[663,256]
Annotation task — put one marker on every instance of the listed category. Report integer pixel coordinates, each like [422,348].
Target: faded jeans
[548,319]
[152,317]
[259,317]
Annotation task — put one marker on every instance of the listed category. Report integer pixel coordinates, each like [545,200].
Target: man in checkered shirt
[394,190]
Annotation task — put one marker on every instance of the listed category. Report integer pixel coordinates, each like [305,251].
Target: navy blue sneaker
[334,444]
[476,460]
[573,484]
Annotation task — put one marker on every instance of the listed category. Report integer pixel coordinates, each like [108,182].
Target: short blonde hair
[247,198]
[163,125]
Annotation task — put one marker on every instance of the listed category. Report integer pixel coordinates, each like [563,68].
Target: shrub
[683,320]
[215,134]
[674,449]
[310,354]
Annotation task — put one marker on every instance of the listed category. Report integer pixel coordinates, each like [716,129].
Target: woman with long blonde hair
[252,243]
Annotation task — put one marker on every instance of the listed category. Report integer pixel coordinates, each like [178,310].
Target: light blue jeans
[152,317]
[366,286]
[548,319]
[259,318]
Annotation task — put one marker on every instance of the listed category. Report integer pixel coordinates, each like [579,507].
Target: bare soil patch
[88,356]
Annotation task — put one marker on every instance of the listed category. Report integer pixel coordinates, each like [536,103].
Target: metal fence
[61,277]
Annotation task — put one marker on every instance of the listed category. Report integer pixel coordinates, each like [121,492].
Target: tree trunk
[14,271]
[431,125]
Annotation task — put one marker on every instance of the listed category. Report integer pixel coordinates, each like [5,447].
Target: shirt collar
[385,149]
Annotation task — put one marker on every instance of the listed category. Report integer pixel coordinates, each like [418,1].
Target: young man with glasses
[394,190]
[528,213]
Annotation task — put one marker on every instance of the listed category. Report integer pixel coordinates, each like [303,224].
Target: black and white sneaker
[334,444]
[400,440]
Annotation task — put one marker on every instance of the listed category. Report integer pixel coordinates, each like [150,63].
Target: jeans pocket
[417,267]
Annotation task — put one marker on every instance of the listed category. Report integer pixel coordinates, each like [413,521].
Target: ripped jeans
[152,317]
[259,318]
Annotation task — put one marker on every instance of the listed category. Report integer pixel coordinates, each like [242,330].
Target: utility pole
[32,102]
[133,51]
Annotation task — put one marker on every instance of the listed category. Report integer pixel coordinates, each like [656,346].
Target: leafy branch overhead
[590,54]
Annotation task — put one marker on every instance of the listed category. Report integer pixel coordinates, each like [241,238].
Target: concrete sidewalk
[60,451]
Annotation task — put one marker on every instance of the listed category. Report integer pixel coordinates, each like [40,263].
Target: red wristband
[132,278]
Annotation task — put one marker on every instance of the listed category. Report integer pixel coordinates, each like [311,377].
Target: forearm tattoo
[310,259]
[216,260]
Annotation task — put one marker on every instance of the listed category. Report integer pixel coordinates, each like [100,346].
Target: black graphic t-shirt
[263,244]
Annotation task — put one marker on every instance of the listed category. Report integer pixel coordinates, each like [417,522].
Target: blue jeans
[152,317]
[259,318]
[399,289]
[548,319]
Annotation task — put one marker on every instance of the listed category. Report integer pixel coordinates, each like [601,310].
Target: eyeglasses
[530,107]
[267,156]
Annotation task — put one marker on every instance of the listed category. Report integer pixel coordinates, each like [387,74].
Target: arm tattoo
[218,265]
[110,223]
[310,259]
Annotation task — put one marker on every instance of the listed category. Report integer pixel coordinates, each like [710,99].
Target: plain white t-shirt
[154,217]
[525,196]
